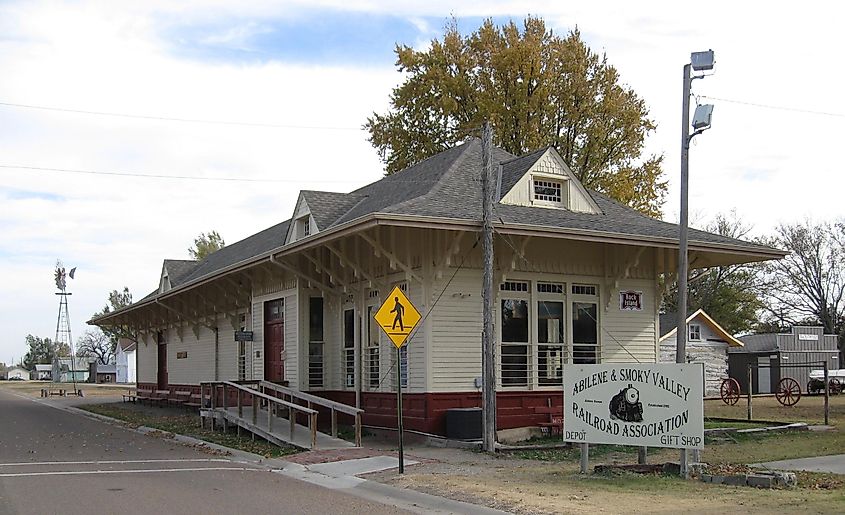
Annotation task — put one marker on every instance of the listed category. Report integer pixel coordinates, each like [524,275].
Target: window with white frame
[514,300]
[585,324]
[242,351]
[403,365]
[372,356]
[550,334]
[349,347]
[303,227]
[695,332]
[315,342]
[546,190]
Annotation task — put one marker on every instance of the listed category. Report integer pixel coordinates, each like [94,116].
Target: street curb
[412,500]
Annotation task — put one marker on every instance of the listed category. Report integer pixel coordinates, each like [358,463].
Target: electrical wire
[431,308]
[181,120]
[778,108]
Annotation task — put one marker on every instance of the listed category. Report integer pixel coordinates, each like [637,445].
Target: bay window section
[585,342]
[550,343]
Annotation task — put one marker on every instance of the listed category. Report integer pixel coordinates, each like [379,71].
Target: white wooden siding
[147,359]
[628,336]
[199,363]
[228,352]
[456,332]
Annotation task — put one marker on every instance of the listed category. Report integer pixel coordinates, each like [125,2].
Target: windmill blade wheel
[788,391]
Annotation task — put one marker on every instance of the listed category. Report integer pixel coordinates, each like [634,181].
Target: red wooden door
[274,341]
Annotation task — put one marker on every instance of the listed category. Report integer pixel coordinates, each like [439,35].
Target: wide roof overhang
[707,254]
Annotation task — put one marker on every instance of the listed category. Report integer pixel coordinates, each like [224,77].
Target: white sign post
[638,404]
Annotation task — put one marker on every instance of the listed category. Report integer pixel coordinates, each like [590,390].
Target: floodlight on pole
[699,62]
[701,118]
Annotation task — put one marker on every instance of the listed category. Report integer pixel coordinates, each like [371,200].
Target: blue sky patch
[324,37]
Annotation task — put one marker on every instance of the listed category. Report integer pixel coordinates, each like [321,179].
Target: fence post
[256,403]
[358,429]
[642,455]
[750,388]
[585,458]
[826,394]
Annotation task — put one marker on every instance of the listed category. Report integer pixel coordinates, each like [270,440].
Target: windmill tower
[63,321]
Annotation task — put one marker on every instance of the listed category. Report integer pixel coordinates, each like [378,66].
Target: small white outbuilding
[707,342]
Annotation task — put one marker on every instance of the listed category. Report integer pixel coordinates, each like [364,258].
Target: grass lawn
[176,420]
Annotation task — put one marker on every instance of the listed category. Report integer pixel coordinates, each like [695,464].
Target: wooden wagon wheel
[788,392]
[835,386]
[729,391]
[813,387]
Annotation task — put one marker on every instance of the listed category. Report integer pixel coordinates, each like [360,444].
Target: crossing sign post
[398,317]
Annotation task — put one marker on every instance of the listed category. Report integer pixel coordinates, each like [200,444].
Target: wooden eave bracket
[394,261]
[305,277]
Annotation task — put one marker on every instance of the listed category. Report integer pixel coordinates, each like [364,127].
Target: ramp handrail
[242,390]
[334,406]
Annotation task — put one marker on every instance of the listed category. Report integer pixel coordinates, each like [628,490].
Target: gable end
[549,183]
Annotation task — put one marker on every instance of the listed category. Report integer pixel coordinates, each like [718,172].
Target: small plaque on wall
[182,355]
[631,300]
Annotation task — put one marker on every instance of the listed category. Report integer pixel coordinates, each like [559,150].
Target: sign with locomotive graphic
[641,404]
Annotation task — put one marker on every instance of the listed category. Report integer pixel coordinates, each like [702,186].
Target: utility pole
[488,361]
[700,61]
[683,255]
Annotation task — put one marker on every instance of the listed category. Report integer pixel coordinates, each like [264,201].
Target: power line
[163,176]
[778,108]
[182,120]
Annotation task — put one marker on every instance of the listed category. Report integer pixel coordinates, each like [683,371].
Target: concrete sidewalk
[834,464]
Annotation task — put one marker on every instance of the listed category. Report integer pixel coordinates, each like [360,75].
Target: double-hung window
[372,355]
[349,347]
[315,342]
[515,357]
[550,333]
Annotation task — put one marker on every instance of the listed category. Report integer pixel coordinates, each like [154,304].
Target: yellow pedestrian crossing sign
[397,317]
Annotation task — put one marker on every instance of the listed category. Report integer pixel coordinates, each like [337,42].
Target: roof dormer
[302,223]
[543,180]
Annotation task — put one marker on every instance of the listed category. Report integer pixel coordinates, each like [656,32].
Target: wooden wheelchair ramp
[274,413]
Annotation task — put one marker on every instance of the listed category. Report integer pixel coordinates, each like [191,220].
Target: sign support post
[399,408]
[398,317]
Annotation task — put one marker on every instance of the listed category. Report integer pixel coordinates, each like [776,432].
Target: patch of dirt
[533,487]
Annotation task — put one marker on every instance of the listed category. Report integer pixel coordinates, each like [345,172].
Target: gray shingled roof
[448,186]
[668,321]
[327,207]
[757,343]
[515,168]
[178,269]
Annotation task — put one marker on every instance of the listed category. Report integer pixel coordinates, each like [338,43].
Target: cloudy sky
[291,84]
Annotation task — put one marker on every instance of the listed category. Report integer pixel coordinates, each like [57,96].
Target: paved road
[55,461]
